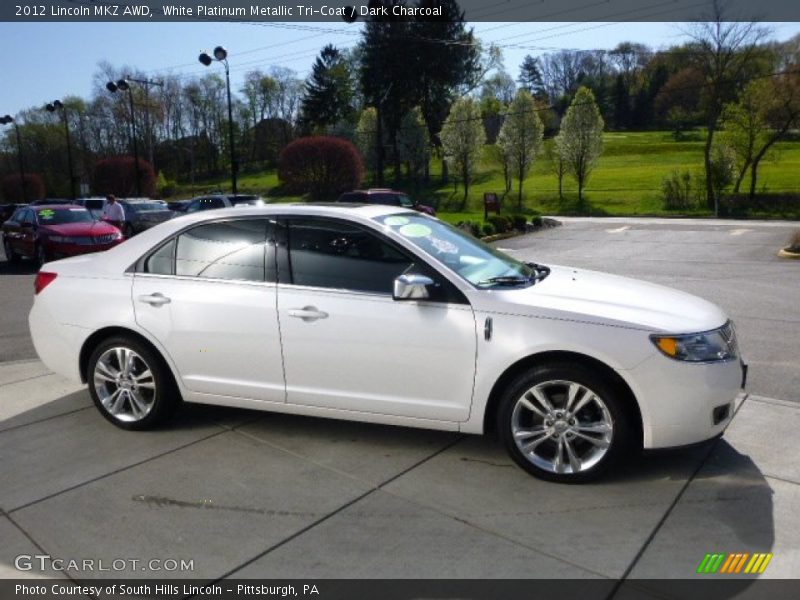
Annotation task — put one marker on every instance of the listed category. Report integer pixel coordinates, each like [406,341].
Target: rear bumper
[685,403]
[56,344]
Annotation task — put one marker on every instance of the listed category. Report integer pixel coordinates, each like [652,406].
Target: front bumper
[63,250]
[685,403]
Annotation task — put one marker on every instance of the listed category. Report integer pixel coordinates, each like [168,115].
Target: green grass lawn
[625,181]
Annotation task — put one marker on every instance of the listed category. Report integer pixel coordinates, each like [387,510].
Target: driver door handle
[156,299]
[307,313]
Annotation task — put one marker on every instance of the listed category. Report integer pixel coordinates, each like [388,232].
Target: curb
[784,253]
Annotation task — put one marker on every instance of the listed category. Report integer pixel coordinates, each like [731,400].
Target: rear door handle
[307,313]
[156,299]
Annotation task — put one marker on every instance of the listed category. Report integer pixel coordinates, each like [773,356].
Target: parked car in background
[386,315]
[140,213]
[51,202]
[385,197]
[49,231]
[214,201]
[178,205]
[6,210]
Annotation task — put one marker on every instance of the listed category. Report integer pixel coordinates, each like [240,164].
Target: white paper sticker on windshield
[444,246]
[415,230]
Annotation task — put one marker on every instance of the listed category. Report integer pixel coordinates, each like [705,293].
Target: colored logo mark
[733,563]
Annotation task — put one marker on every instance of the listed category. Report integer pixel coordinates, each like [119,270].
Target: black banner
[351,10]
[712,588]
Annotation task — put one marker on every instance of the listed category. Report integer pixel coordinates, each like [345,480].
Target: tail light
[43,279]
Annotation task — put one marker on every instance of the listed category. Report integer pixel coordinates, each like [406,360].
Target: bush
[117,175]
[501,223]
[12,188]
[676,191]
[472,228]
[488,229]
[321,166]
[537,221]
[519,222]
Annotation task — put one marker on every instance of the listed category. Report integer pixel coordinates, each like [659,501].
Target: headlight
[709,346]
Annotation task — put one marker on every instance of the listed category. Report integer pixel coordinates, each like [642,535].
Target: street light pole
[8,119]
[124,86]
[221,55]
[52,107]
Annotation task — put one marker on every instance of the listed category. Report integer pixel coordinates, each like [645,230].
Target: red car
[47,232]
[385,197]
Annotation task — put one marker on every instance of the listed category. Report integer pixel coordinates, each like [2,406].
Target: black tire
[11,256]
[620,441]
[41,255]
[163,400]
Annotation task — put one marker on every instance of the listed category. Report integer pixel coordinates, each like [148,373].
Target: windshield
[478,263]
[406,202]
[142,206]
[59,216]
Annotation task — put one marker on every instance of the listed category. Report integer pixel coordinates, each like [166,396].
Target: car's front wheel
[564,423]
[11,256]
[130,384]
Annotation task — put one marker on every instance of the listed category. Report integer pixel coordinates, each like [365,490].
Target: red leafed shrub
[323,166]
[12,188]
[117,175]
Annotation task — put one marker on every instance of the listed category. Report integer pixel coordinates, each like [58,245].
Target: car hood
[596,297]
[92,229]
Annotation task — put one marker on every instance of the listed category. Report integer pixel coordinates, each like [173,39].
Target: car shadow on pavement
[22,267]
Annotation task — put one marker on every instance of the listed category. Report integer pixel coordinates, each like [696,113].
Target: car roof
[39,207]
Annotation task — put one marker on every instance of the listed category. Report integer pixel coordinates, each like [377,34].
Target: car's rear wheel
[130,384]
[564,423]
[11,256]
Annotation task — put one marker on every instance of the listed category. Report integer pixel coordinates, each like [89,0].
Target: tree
[580,140]
[414,142]
[521,137]
[117,175]
[463,138]
[725,53]
[15,191]
[367,141]
[530,77]
[557,164]
[328,92]
[322,166]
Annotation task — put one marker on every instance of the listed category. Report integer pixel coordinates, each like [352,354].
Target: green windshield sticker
[395,221]
[47,213]
[415,230]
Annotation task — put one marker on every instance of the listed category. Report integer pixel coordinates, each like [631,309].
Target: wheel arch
[564,357]
[106,332]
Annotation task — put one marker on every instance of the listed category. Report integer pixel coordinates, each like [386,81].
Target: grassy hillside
[626,180]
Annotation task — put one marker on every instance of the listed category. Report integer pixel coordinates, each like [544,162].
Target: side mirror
[412,286]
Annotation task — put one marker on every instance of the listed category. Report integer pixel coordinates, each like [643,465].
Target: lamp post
[221,55]
[124,86]
[53,107]
[7,120]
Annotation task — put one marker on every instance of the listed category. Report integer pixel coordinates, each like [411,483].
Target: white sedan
[386,315]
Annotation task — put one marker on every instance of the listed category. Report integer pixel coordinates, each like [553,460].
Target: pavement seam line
[27,379]
[335,512]
[42,420]
[120,470]
[671,507]
[38,546]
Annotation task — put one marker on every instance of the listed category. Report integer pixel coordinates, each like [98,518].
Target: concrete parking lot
[246,494]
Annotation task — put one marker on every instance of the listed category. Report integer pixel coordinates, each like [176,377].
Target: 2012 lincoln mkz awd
[385,315]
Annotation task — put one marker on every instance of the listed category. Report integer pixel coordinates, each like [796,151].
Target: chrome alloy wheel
[562,427]
[124,384]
